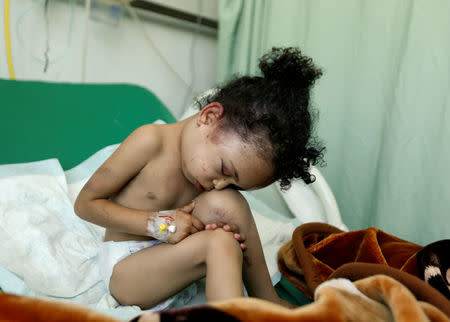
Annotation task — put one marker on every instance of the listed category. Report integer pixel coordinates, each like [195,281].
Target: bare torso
[160,185]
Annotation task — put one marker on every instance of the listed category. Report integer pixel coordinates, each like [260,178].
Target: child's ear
[210,114]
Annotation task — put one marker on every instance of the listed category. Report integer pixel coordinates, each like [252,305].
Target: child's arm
[133,154]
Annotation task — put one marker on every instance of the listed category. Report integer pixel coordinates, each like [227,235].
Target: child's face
[213,158]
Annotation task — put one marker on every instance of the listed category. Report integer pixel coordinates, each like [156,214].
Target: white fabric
[303,202]
[340,284]
[313,202]
[41,238]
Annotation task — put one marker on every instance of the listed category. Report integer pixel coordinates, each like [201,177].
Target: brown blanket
[319,252]
[374,299]
[22,308]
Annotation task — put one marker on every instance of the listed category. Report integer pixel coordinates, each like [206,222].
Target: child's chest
[160,185]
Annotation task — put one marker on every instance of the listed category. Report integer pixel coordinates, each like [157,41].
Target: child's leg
[229,206]
[151,275]
[156,273]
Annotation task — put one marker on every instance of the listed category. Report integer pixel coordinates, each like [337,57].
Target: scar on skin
[104,171]
[108,214]
[151,195]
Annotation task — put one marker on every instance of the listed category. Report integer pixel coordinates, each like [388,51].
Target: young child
[251,132]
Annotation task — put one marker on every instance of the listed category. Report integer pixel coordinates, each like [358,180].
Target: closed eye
[225,170]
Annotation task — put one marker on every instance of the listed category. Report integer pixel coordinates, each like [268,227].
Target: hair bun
[289,66]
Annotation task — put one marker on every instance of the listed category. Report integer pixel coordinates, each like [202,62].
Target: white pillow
[193,108]
[303,202]
[313,202]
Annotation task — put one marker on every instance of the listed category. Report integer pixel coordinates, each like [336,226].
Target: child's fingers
[189,207]
[231,227]
[193,230]
[214,225]
[197,224]
[239,237]
[227,227]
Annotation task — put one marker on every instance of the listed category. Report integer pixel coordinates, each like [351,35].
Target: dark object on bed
[434,265]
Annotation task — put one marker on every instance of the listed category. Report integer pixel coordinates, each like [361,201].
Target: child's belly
[150,197]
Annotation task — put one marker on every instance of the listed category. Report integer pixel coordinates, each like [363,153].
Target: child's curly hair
[274,112]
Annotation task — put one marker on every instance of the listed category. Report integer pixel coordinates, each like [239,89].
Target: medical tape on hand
[161,225]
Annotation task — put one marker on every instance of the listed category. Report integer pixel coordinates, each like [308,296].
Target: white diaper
[113,252]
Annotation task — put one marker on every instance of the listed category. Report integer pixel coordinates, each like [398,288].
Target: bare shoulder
[140,147]
[144,142]
[147,137]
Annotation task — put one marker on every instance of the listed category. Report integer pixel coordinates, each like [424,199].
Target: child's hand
[185,224]
[231,228]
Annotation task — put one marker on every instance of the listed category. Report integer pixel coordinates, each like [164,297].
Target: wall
[115,54]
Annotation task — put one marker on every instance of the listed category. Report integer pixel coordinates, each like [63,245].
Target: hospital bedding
[46,250]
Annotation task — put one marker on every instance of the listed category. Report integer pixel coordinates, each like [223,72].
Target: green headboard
[70,121]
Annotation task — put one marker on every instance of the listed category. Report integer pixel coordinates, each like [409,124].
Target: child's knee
[222,243]
[227,206]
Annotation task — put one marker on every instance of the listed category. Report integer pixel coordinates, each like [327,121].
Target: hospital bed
[54,136]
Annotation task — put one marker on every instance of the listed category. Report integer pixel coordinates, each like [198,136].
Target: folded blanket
[376,298]
[319,252]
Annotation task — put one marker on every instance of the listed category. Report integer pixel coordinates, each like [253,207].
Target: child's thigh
[152,275]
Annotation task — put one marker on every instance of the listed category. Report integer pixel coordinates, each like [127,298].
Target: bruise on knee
[219,213]
[226,206]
